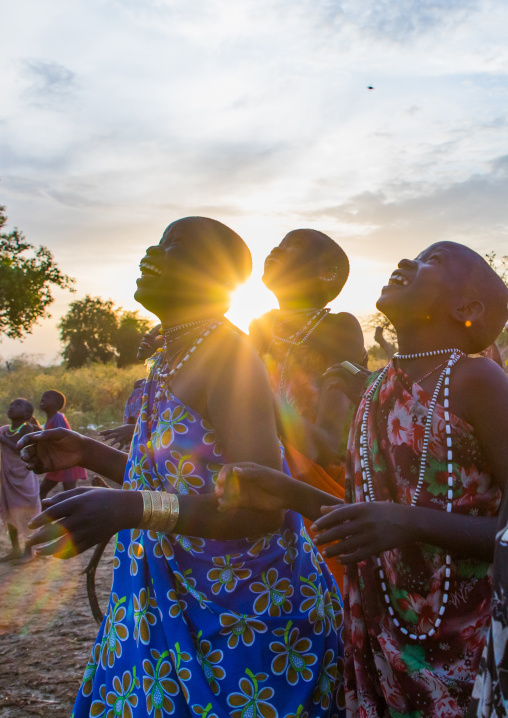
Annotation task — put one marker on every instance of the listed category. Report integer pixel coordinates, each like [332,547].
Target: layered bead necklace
[163,374]
[297,338]
[368,487]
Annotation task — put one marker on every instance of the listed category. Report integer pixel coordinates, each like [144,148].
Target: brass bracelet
[147,508]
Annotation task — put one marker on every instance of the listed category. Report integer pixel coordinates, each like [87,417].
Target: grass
[95,394]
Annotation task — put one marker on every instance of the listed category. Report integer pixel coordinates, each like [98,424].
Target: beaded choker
[15,432]
[178,327]
[368,487]
[422,355]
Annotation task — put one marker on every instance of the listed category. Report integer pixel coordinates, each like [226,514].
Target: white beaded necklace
[199,340]
[161,376]
[368,488]
[178,327]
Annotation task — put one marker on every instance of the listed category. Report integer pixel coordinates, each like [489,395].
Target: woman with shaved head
[211,614]
[427,465]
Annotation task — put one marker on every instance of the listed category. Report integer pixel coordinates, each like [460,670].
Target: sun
[250,301]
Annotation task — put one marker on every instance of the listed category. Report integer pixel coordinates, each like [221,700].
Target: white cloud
[119,116]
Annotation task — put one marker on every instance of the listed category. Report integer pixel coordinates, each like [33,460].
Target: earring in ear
[467,323]
[332,278]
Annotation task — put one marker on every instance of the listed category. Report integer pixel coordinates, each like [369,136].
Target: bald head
[480,283]
[222,252]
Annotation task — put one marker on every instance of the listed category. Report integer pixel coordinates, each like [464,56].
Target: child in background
[52,403]
[19,487]
[428,439]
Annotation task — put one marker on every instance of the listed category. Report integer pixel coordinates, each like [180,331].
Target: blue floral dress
[202,627]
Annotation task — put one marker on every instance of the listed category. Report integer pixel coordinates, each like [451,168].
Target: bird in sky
[370,87]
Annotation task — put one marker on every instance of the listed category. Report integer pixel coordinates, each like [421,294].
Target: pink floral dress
[386,672]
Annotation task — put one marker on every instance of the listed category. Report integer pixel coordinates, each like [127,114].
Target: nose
[407,264]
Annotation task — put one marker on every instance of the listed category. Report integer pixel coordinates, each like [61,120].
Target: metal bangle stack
[160,511]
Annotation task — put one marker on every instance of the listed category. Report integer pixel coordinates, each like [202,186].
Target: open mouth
[399,280]
[149,269]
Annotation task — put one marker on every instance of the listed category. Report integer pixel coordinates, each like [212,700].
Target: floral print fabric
[388,674]
[201,627]
[490,692]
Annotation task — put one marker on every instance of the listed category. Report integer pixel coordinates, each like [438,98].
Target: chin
[389,306]
[148,300]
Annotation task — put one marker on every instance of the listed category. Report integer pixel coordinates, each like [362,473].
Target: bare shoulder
[340,337]
[344,321]
[479,386]
[260,330]
[480,373]
[229,350]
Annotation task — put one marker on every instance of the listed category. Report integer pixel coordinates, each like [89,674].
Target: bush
[96,394]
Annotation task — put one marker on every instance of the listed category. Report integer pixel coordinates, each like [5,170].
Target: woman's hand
[120,436]
[363,530]
[73,521]
[347,377]
[251,486]
[52,450]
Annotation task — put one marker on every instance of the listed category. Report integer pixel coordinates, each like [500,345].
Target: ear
[328,274]
[469,312]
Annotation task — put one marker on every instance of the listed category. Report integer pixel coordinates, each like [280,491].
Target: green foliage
[499,265]
[26,276]
[96,394]
[88,331]
[128,335]
[93,330]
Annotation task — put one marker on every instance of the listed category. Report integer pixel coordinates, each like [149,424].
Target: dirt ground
[46,632]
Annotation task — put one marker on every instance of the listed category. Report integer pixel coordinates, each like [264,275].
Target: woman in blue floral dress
[233,614]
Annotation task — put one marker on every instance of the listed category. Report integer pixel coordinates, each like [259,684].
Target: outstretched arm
[251,485]
[55,449]
[367,529]
[237,401]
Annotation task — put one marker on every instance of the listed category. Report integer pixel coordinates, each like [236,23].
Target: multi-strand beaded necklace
[297,338]
[163,373]
[368,487]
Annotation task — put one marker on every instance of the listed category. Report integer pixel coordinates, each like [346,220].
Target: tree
[88,330]
[499,265]
[93,330]
[131,328]
[26,276]
[373,321]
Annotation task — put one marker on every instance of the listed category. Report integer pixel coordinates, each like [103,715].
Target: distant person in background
[133,403]
[52,403]
[122,435]
[19,487]
[385,345]
[493,353]
[297,343]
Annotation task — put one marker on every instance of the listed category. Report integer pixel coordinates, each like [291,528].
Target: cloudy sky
[119,116]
